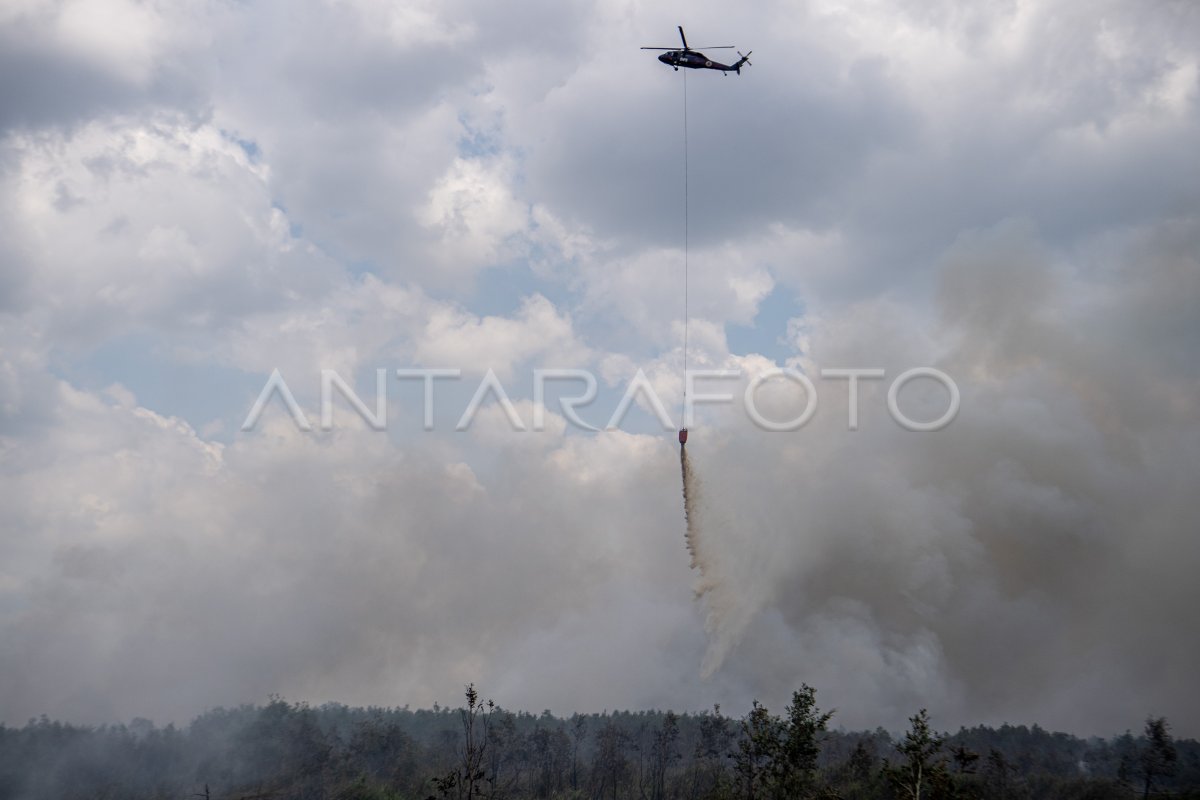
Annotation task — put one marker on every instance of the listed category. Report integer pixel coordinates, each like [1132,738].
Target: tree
[921,774]
[1126,751]
[1158,758]
[578,732]
[861,762]
[611,765]
[662,753]
[463,781]
[964,759]
[381,751]
[550,749]
[856,777]
[507,754]
[795,767]
[757,750]
[998,775]
[712,746]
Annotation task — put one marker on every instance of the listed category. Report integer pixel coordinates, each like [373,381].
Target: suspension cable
[683,416]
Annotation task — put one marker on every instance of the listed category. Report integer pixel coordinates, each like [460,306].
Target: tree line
[481,751]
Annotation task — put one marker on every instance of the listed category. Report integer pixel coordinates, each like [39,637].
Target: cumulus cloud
[537,331]
[473,211]
[158,221]
[67,62]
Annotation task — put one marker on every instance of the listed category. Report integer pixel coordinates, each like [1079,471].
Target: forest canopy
[480,750]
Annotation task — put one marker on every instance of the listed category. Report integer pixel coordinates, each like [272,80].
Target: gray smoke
[725,618]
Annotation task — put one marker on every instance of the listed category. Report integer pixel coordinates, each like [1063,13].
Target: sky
[196,194]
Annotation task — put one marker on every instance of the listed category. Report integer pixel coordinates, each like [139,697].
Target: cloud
[473,210]
[158,221]
[67,62]
[537,333]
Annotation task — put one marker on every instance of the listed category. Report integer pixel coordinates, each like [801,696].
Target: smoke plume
[710,588]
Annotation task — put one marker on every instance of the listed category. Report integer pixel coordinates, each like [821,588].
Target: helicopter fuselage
[693,60]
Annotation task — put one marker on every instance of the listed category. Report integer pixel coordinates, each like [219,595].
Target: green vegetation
[481,751]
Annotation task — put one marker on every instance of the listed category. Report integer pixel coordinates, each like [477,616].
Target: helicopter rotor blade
[716,47]
[684,38]
[660,48]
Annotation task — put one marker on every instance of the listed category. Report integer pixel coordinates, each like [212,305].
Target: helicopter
[694,59]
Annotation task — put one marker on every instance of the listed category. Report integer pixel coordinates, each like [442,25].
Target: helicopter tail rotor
[743,61]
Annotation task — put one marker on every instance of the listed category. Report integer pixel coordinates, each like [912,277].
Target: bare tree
[463,782]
